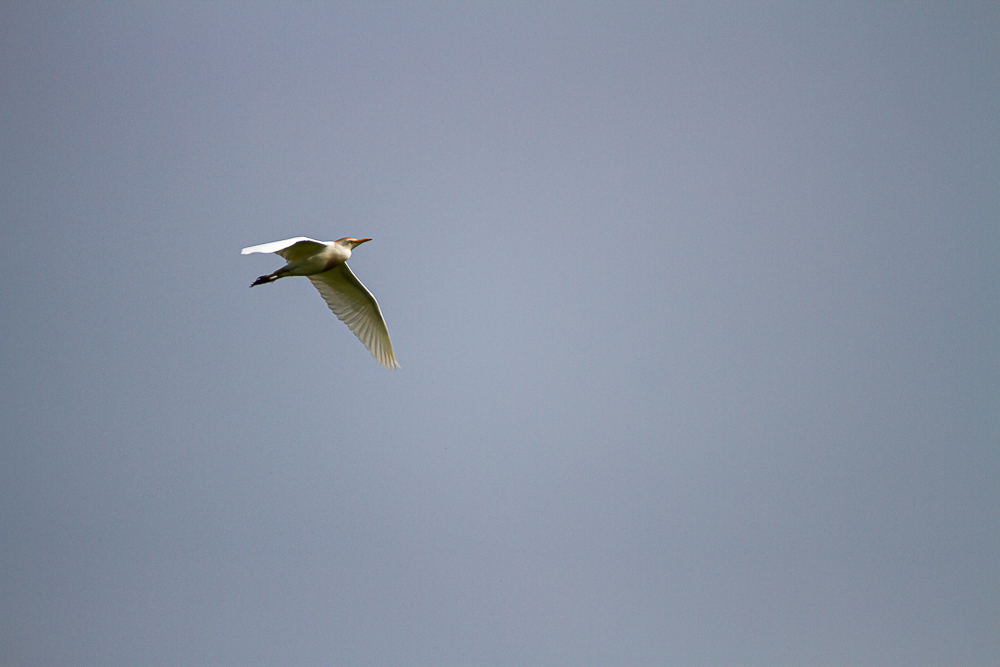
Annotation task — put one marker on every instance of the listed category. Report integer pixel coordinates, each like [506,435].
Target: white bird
[325,264]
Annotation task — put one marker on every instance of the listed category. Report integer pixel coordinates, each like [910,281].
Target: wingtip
[388,361]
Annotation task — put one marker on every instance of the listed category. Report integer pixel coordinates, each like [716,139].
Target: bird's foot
[264,279]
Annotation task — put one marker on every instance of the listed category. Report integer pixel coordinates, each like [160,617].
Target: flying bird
[325,264]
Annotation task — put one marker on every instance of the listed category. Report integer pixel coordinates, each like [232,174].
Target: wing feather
[356,307]
[290,250]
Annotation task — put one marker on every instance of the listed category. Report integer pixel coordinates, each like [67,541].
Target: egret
[325,264]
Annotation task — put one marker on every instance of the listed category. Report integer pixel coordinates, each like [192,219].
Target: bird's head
[351,243]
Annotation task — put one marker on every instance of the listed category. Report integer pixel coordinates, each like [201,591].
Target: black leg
[264,279]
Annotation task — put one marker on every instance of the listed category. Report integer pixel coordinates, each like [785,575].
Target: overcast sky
[696,307]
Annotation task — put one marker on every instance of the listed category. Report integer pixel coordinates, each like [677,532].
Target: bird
[325,264]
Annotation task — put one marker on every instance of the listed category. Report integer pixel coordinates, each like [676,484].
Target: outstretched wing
[356,307]
[291,250]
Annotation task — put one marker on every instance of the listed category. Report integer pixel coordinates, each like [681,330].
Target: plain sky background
[696,306]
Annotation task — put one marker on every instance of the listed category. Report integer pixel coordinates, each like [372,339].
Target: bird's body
[325,264]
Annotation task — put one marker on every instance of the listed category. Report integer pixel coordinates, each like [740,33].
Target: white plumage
[325,264]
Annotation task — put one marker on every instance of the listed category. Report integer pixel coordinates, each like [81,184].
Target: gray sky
[696,307]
